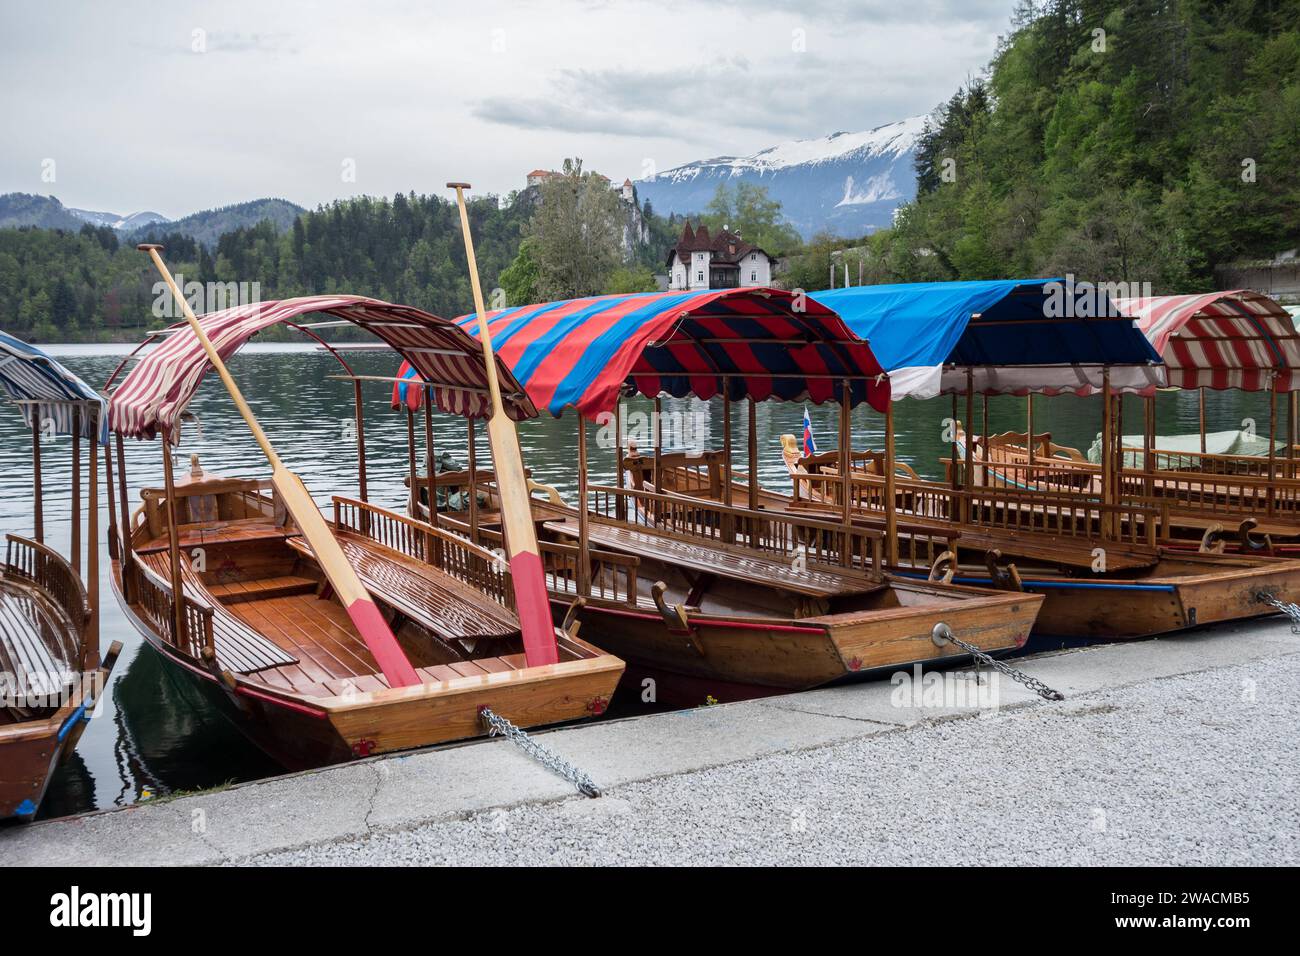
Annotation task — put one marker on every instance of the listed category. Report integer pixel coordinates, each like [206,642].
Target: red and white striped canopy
[1221,340]
[152,397]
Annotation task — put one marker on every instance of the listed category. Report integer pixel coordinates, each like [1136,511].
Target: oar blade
[531,600]
[361,607]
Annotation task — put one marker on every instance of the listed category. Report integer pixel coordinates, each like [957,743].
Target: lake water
[151,739]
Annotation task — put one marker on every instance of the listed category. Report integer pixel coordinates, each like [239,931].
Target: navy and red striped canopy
[746,343]
[152,397]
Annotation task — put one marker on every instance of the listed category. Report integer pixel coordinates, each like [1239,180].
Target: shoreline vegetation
[1135,141]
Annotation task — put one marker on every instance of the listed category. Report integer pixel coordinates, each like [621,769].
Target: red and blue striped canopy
[746,343]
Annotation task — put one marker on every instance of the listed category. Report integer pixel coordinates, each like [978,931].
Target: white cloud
[420,94]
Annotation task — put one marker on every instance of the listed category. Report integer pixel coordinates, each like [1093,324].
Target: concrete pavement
[1174,750]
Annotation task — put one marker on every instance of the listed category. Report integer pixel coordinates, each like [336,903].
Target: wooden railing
[449,552]
[153,597]
[613,575]
[1064,514]
[1210,464]
[768,532]
[49,571]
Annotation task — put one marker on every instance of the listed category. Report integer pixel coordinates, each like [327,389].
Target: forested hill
[1138,140]
[61,285]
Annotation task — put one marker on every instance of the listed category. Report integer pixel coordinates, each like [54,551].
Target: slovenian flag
[809,443]
[403,394]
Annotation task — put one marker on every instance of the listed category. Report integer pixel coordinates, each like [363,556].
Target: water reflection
[149,738]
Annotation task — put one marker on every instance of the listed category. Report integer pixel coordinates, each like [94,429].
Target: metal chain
[942,632]
[556,764]
[1290,610]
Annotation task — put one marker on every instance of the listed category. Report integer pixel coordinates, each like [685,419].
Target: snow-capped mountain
[136,220]
[847,183]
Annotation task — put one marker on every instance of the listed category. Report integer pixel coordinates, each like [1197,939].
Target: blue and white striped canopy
[29,375]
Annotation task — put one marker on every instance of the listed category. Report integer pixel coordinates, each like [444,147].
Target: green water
[149,737]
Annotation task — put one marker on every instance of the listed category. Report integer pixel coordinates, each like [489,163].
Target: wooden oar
[531,601]
[352,593]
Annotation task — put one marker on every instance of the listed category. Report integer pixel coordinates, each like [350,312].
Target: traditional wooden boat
[710,599]
[1240,340]
[1095,557]
[51,674]
[239,598]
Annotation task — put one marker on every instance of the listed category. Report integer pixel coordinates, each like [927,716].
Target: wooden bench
[31,630]
[717,559]
[369,683]
[432,598]
[240,649]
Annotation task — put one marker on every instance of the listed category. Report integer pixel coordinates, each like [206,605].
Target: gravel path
[1198,769]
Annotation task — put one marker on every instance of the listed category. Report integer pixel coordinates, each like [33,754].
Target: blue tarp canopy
[30,376]
[1013,336]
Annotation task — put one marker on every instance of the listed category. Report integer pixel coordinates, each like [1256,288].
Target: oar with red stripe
[531,601]
[361,607]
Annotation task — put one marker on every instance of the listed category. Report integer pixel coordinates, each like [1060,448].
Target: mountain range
[206,227]
[847,183]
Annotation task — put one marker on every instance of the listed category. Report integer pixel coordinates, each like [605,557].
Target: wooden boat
[235,595]
[51,674]
[1092,553]
[1239,340]
[715,601]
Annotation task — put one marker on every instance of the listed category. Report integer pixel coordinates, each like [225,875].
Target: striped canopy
[1221,340]
[29,375]
[747,343]
[152,397]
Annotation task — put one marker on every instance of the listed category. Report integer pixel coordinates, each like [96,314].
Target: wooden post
[846,471]
[1148,444]
[430,462]
[37,504]
[1107,452]
[361,442]
[473,483]
[1200,394]
[1272,440]
[891,513]
[620,504]
[174,549]
[753,455]
[584,543]
[1029,420]
[1291,421]
[659,440]
[412,478]
[127,554]
[968,476]
[75,547]
[114,542]
[953,454]
[91,654]
[726,445]
[984,438]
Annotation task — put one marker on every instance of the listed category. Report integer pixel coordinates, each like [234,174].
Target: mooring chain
[942,632]
[553,762]
[1290,610]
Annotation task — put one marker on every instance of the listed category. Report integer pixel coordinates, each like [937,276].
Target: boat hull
[1181,593]
[727,658]
[305,733]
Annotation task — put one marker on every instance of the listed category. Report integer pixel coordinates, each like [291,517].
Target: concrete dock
[1174,751]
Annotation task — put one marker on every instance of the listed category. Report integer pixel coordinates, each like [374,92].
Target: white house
[724,261]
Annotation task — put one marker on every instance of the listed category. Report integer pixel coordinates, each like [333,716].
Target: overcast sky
[180,106]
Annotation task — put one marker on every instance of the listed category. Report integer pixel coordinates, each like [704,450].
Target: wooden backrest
[697,472]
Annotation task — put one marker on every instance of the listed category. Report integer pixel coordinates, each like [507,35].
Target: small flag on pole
[809,443]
